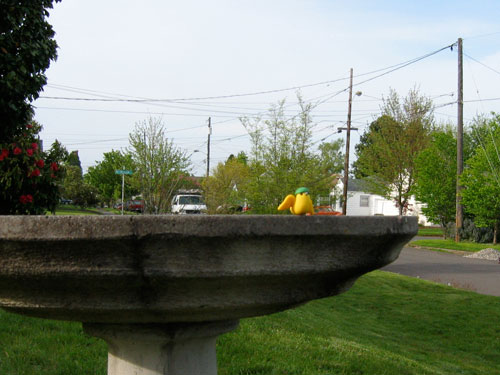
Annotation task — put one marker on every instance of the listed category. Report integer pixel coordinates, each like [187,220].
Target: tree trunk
[443,228]
[495,232]
[401,206]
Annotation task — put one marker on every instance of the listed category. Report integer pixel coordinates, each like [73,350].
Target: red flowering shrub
[29,178]
[4,154]
[35,172]
[24,199]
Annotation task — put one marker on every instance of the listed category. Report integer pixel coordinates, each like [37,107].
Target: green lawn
[430,231]
[452,245]
[386,324]
[75,210]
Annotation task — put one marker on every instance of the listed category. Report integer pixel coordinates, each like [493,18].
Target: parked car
[135,205]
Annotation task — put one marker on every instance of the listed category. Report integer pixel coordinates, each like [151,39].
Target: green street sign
[123,171]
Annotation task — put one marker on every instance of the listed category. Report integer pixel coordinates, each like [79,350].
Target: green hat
[302,190]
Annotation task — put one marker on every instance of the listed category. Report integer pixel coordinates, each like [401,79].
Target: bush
[28,176]
[471,232]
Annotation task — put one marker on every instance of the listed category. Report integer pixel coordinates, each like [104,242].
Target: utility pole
[123,190]
[460,141]
[347,144]
[208,145]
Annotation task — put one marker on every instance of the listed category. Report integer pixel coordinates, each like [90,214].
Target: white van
[188,203]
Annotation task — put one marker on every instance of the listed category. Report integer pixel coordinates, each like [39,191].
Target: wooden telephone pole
[460,141]
[208,145]
[347,144]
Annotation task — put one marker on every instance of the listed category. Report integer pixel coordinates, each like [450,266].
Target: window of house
[364,201]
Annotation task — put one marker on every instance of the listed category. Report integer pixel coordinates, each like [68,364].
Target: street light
[208,145]
[207,160]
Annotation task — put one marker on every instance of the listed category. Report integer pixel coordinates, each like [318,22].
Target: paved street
[482,276]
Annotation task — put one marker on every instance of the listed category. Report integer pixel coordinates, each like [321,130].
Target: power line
[145,100]
[482,100]
[98,141]
[390,69]
[483,64]
[325,98]
[191,99]
[137,101]
[328,113]
[467,101]
[410,62]
[482,35]
[131,112]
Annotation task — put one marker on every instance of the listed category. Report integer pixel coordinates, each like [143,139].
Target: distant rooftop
[355,185]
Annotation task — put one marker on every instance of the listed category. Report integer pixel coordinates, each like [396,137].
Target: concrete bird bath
[160,289]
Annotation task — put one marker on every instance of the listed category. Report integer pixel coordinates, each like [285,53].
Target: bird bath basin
[160,289]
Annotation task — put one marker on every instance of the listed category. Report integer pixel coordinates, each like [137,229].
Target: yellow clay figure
[299,204]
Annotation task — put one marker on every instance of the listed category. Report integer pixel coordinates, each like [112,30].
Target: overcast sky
[197,50]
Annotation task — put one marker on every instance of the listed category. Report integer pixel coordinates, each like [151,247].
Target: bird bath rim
[167,269]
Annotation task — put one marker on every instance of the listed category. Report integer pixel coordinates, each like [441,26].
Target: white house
[362,203]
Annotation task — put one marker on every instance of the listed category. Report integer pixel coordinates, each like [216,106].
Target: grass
[75,210]
[452,245]
[386,324]
[430,231]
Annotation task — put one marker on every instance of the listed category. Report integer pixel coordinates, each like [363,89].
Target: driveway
[479,275]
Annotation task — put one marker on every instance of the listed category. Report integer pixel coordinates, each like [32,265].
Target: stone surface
[161,269]
[157,349]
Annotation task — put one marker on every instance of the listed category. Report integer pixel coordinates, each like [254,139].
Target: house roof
[355,185]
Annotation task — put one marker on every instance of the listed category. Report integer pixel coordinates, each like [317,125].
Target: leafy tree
[401,133]
[481,178]
[73,178]
[480,132]
[29,178]
[436,177]
[26,50]
[365,141]
[159,164]
[73,159]
[58,151]
[225,188]
[75,188]
[103,177]
[283,158]
[241,157]
[56,158]
[331,156]
[189,182]
[28,185]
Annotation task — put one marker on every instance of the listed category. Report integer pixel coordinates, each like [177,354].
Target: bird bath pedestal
[160,289]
